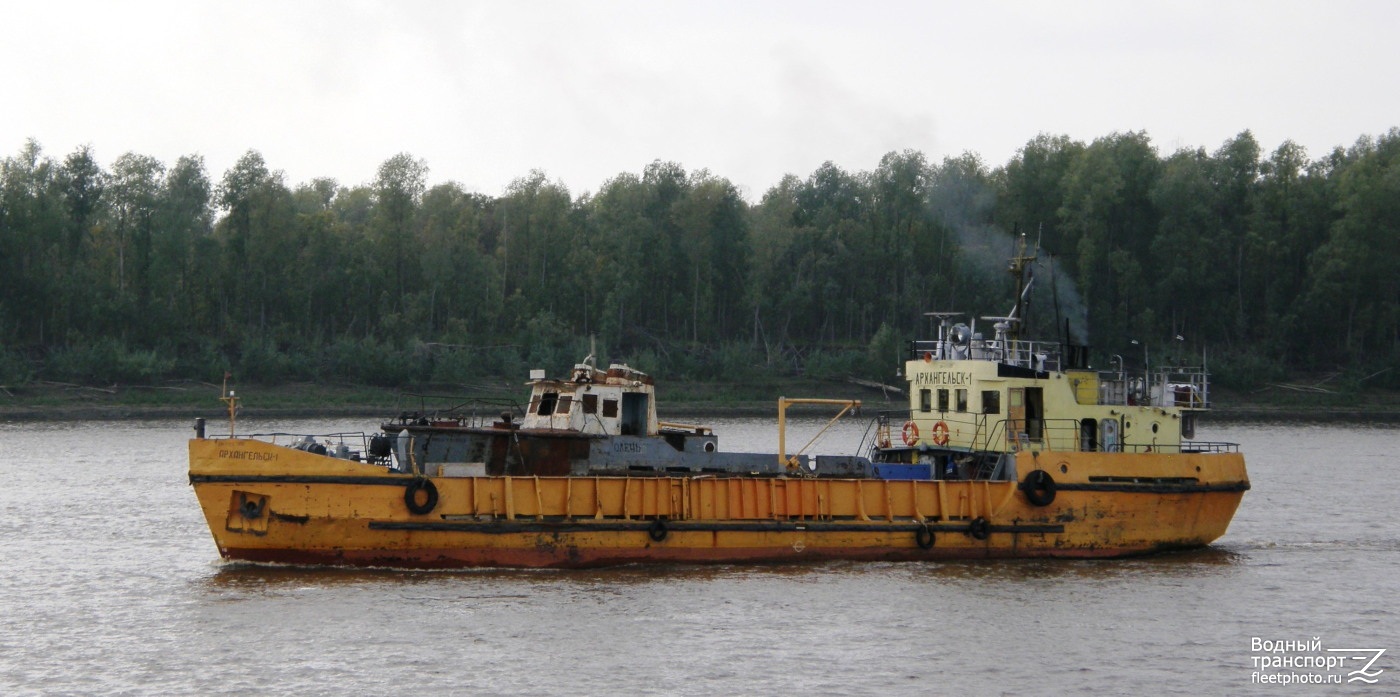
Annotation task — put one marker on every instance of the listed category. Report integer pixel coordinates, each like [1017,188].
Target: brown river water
[110,585]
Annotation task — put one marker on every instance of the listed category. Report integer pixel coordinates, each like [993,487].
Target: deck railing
[470,411]
[1036,355]
[989,434]
[349,445]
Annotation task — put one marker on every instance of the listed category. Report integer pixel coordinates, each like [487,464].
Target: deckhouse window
[925,400]
[590,403]
[565,400]
[991,402]
[962,399]
[943,400]
[547,403]
[610,408]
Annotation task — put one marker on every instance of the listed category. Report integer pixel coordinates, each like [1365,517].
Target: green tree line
[146,271]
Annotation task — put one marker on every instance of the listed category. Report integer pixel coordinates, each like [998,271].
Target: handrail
[691,428]
[473,410]
[1057,434]
[1184,447]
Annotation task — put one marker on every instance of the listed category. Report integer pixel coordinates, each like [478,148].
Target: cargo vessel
[1008,448]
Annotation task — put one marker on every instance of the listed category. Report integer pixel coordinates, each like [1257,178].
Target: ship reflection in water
[1184,564]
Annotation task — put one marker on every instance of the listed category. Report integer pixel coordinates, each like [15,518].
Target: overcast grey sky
[485,92]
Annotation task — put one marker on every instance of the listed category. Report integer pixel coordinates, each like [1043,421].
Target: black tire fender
[658,531]
[410,496]
[1039,488]
[979,529]
[924,537]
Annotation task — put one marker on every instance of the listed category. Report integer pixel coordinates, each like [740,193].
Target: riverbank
[49,401]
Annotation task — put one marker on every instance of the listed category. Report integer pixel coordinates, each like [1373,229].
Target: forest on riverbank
[1272,264]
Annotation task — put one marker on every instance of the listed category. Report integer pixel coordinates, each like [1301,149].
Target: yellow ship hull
[267,503]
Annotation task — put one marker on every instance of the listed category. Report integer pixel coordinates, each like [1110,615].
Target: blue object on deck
[885,470]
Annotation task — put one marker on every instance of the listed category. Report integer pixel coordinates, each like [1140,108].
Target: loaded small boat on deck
[1009,448]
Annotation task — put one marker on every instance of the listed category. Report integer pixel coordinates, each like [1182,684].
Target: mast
[1020,269]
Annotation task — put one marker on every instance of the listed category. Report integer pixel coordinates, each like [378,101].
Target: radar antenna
[943,325]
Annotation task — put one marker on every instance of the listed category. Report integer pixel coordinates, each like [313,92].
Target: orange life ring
[940,433]
[911,433]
